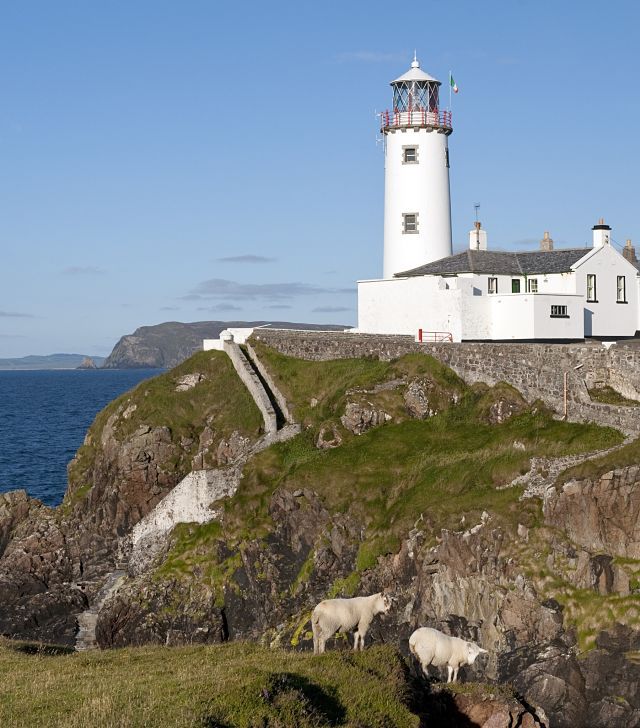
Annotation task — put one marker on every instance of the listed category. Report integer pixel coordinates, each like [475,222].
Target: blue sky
[205,160]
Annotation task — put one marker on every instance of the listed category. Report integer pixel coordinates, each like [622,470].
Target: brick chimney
[546,243]
[629,252]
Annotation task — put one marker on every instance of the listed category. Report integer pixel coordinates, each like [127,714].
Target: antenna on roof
[476,207]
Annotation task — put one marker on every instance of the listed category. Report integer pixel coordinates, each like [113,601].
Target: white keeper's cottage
[480,294]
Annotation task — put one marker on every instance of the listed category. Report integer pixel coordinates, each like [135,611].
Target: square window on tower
[409,155]
[410,222]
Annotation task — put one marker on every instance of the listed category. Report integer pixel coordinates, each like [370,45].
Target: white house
[486,295]
[481,294]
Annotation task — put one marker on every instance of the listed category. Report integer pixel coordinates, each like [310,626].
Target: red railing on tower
[416,117]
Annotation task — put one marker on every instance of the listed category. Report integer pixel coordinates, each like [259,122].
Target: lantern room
[415,90]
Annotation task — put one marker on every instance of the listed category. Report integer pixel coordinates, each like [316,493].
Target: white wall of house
[405,305]
[606,316]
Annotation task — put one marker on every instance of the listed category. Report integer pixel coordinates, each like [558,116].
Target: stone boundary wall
[279,397]
[253,384]
[536,370]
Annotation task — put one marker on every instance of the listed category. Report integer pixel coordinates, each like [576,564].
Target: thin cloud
[370,57]
[169,308]
[279,306]
[15,314]
[232,290]
[331,309]
[220,307]
[83,270]
[12,336]
[246,259]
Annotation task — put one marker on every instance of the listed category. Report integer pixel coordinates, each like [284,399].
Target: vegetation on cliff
[219,402]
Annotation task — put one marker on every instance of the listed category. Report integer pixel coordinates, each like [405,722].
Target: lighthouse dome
[415,73]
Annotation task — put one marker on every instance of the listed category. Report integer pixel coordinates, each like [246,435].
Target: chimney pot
[546,243]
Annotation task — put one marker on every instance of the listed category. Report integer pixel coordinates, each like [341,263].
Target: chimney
[478,237]
[546,243]
[629,253]
[601,234]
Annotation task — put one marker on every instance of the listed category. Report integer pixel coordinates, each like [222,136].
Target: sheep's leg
[356,638]
[449,673]
[322,640]
[455,673]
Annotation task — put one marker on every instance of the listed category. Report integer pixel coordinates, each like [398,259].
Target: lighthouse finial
[415,63]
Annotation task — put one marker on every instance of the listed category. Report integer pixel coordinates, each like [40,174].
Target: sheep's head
[383,603]
[473,650]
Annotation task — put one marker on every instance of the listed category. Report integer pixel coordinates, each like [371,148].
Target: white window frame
[532,285]
[592,288]
[621,291]
[492,285]
[559,311]
[407,224]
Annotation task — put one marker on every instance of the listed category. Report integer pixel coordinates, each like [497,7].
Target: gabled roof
[501,263]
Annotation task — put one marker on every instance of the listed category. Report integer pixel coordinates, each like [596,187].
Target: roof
[502,263]
[415,73]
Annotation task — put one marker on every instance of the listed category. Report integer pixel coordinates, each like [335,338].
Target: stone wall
[537,370]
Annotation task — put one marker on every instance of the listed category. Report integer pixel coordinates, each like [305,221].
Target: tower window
[492,285]
[591,288]
[410,222]
[532,285]
[409,155]
[621,290]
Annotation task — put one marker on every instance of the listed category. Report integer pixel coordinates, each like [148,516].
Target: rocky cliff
[404,478]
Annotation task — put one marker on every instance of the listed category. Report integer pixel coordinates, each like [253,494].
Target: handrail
[419,117]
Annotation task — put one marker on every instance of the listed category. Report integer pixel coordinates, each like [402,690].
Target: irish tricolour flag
[453,84]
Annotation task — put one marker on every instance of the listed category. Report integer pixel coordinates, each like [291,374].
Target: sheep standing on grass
[432,647]
[343,615]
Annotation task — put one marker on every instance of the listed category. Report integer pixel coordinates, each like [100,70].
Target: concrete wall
[421,188]
[537,370]
[279,397]
[607,317]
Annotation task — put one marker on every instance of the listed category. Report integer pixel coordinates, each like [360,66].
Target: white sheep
[343,615]
[432,647]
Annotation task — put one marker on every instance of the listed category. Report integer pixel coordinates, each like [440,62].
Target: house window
[409,155]
[515,285]
[591,288]
[410,222]
[532,285]
[493,285]
[559,312]
[621,296]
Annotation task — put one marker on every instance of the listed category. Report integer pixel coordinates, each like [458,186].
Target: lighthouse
[417,204]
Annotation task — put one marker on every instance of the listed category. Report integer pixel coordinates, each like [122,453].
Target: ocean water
[44,416]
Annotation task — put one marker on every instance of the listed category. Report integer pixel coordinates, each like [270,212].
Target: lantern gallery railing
[421,117]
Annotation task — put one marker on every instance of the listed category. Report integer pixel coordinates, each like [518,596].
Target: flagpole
[450,77]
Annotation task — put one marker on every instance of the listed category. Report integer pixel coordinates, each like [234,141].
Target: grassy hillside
[437,469]
[237,684]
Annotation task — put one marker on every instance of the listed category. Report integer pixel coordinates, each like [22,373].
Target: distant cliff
[50,361]
[167,345]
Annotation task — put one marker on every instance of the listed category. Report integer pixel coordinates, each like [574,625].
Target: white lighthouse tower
[417,205]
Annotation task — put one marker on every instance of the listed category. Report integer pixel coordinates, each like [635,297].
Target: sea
[44,416]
